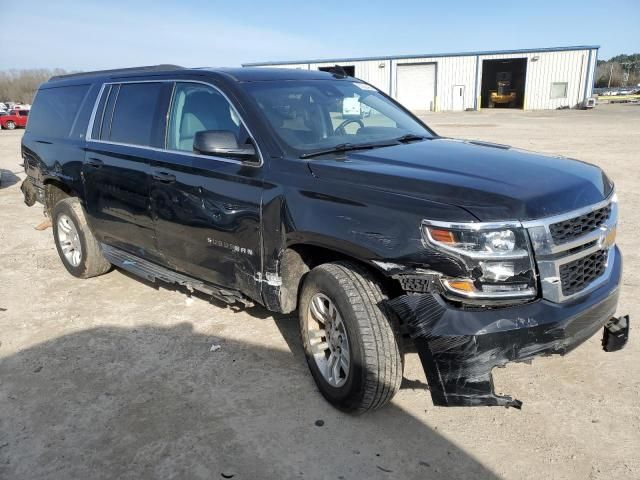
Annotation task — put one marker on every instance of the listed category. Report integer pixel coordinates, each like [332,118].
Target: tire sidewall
[349,395]
[64,208]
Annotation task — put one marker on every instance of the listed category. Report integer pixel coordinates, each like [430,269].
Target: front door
[458,98]
[128,127]
[207,209]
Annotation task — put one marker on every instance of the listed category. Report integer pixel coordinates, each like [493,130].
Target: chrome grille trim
[551,256]
[575,227]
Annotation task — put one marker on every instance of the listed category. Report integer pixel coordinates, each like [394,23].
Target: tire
[375,365]
[10,125]
[71,233]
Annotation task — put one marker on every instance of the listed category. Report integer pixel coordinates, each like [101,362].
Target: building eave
[426,55]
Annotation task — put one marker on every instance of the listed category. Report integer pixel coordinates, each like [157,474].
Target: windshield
[318,115]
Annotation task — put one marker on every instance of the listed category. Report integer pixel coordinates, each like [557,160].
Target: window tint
[320,114]
[97,123]
[79,127]
[196,108]
[55,109]
[107,115]
[23,113]
[135,116]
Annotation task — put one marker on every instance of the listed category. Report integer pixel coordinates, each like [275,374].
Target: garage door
[416,86]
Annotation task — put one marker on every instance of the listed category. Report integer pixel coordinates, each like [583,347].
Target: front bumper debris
[459,347]
[616,334]
[31,192]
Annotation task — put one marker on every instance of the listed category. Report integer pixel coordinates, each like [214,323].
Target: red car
[16,118]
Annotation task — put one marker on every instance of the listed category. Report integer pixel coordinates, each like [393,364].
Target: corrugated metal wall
[543,68]
[569,66]
[450,71]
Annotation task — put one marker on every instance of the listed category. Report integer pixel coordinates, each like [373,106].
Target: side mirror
[222,143]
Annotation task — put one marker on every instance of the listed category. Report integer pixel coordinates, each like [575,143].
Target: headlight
[497,258]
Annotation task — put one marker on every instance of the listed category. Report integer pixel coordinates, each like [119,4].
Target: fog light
[497,271]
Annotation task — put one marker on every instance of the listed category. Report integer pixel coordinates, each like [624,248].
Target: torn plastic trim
[269,278]
[460,347]
[422,280]
[32,193]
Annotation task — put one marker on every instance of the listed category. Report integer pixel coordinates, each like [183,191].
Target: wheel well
[55,191]
[298,260]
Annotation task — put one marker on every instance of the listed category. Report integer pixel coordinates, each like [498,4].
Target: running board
[153,272]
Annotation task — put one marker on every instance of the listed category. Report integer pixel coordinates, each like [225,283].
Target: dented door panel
[207,219]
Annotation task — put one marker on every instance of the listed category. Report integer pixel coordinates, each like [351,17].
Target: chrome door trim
[166,150]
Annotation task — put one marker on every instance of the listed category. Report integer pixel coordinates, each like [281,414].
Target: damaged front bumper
[459,347]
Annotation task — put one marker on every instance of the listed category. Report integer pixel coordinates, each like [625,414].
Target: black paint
[228,223]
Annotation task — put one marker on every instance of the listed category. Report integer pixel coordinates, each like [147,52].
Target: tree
[621,70]
[20,86]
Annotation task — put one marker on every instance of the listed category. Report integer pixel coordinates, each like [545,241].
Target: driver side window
[196,107]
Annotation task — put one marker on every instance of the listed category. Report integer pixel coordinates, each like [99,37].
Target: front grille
[577,275]
[568,230]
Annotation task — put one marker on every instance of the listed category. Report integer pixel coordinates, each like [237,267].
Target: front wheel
[10,125]
[350,337]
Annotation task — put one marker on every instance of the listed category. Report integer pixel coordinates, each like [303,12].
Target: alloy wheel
[328,340]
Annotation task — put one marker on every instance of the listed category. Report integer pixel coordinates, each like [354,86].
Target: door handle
[164,177]
[94,162]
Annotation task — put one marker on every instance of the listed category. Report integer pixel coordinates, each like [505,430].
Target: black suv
[315,192]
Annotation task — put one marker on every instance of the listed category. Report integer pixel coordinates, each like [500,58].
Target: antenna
[338,71]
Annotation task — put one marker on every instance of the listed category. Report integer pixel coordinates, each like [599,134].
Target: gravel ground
[114,378]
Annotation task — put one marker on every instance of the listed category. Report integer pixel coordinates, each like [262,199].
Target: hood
[493,182]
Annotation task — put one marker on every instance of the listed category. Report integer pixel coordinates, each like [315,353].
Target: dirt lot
[113,378]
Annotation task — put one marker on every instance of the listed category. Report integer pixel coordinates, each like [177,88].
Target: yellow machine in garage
[504,95]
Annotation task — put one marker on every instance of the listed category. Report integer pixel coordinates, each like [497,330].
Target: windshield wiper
[410,137]
[347,147]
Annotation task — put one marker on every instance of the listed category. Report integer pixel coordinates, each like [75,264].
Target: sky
[86,35]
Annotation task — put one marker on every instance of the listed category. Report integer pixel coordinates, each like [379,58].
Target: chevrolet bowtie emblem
[609,238]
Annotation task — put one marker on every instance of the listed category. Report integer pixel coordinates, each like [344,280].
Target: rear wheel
[76,245]
[10,125]
[350,337]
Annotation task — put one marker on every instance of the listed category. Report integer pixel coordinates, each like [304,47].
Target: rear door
[126,135]
[207,209]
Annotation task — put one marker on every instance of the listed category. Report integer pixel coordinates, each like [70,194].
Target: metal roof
[156,71]
[262,74]
[428,55]
[148,68]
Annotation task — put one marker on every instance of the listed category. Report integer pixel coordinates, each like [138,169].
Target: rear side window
[135,118]
[54,110]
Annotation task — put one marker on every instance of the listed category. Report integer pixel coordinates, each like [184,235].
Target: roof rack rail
[149,68]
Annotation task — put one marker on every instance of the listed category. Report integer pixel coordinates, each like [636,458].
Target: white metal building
[544,78]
